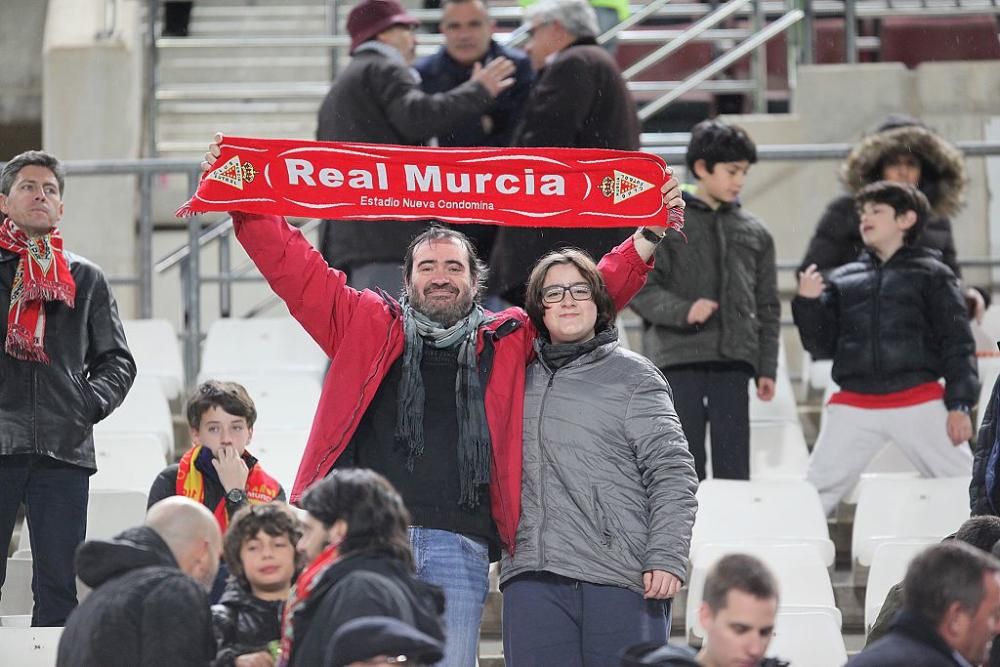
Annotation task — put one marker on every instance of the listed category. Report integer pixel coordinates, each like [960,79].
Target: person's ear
[337,532]
[906,219]
[700,169]
[3,204]
[705,615]
[195,436]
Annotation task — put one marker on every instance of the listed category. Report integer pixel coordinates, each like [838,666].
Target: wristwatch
[236,496]
[962,407]
[650,235]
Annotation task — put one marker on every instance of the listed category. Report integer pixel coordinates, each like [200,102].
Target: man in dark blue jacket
[468,34]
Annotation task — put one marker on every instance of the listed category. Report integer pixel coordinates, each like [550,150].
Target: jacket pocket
[601,523]
[88,401]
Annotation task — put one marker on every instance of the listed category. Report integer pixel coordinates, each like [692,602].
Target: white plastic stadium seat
[280,453]
[778,450]
[157,354]
[16,598]
[284,402]
[127,462]
[145,411]
[889,463]
[807,638]
[785,511]
[802,577]
[29,647]
[891,510]
[273,346]
[108,513]
[888,568]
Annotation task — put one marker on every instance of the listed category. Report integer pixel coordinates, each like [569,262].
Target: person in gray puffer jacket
[608,487]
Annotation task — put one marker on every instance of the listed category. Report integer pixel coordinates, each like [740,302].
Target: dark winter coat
[984,491]
[143,610]
[376,99]
[893,326]
[579,100]
[50,409]
[369,583]
[911,642]
[244,623]
[837,239]
[727,256]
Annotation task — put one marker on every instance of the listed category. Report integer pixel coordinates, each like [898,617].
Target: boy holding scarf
[54,388]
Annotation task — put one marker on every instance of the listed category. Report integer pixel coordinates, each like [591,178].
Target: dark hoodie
[367,583]
[837,239]
[143,610]
[244,623]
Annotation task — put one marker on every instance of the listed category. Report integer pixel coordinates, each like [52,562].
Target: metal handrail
[634,18]
[724,61]
[719,15]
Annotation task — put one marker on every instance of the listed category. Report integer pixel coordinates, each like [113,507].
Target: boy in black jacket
[259,549]
[894,322]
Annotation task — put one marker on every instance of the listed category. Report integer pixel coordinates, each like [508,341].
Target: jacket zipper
[877,301]
[541,474]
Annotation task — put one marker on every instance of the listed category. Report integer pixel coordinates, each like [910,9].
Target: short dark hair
[715,141]
[231,397]
[584,263]
[981,532]
[902,197]
[739,572]
[944,574]
[477,267]
[31,159]
[373,510]
[274,518]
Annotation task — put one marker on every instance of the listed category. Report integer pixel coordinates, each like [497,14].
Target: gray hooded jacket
[608,482]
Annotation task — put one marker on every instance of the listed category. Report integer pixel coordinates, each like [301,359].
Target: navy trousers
[55,497]
[553,620]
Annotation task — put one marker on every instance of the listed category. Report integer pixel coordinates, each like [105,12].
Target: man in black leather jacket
[64,366]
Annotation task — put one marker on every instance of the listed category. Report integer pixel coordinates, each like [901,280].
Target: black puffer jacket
[893,326]
[369,583]
[244,623]
[837,239]
[143,611]
[50,409]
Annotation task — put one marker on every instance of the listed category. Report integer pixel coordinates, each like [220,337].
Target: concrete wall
[22,23]
[91,110]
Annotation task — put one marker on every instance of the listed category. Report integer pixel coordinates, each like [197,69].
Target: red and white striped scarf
[42,275]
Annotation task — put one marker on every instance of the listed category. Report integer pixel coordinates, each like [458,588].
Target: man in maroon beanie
[377,99]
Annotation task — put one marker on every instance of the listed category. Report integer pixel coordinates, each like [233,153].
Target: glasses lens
[553,294]
[580,292]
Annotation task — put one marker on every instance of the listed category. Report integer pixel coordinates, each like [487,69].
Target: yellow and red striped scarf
[260,488]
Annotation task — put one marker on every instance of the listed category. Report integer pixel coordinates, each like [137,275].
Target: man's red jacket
[362,333]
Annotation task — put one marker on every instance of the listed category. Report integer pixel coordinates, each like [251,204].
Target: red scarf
[42,275]
[260,487]
[304,586]
[525,187]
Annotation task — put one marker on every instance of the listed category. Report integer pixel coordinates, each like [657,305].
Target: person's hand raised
[811,283]
[214,151]
[495,76]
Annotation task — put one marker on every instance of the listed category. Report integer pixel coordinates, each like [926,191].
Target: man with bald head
[149,605]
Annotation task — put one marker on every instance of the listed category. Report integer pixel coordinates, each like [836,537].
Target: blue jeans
[460,566]
[55,497]
[552,620]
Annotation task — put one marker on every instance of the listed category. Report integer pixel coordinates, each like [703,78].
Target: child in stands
[218,471]
[895,322]
[710,308]
[259,550]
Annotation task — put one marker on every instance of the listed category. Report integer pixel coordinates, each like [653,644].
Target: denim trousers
[460,566]
[551,620]
[55,497]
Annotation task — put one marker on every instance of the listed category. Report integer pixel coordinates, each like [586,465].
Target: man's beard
[445,313]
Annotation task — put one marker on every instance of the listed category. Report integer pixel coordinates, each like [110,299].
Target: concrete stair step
[226,109]
[176,48]
[247,10]
[248,26]
[270,68]
[189,129]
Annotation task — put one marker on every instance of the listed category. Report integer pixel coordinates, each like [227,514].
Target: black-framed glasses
[555,293]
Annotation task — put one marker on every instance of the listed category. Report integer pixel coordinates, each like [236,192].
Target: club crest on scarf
[42,275]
